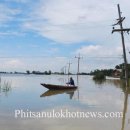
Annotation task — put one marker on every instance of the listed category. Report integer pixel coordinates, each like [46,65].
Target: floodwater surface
[24,92]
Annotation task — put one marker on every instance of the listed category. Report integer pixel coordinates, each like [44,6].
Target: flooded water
[24,92]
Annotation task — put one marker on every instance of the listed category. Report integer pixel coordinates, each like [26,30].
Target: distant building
[117,73]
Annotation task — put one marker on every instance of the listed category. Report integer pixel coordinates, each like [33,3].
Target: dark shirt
[71,82]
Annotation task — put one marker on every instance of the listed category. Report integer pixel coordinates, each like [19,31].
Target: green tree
[28,72]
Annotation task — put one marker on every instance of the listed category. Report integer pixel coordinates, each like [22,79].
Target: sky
[48,34]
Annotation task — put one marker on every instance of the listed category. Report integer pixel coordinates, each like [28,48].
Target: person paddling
[71,82]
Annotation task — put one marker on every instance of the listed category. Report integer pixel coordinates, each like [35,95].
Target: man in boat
[71,82]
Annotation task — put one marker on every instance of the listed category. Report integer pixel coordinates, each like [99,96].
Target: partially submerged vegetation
[5,86]
[99,76]
[117,72]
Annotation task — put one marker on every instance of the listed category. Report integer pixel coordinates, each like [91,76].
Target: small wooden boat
[58,87]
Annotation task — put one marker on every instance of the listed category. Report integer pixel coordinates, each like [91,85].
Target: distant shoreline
[38,74]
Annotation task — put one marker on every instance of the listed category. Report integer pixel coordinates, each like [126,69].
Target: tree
[28,72]
[46,72]
[117,67]
[49,72]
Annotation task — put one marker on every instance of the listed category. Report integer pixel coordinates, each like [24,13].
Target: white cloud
[71,21]
[14,63]
[11,33]
[89,50]
[99,57]
[7,14]
[34,63]
[99,51]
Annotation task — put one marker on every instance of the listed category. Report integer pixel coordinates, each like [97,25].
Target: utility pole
[69,67]
[122,30]
[62,70]
[78,57]
[65,69]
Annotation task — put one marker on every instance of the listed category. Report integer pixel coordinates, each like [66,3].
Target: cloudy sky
[47,34]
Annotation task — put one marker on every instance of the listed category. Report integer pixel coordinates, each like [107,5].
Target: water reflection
[56,92]
[113,82]
[26,95]
[99,82]
[126,91]
[122,84]
[124,110]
